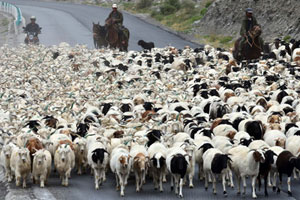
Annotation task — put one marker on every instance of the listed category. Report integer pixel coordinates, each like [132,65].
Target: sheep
[199,141]
[265,168]
[120,164]
[5,159]
[64,161]
[157,154]
[277,150]
[41,166]
[140,164]
[54,142]
[177,164]
[215,162]
[286,162]
[258,144]
[253,127]
[189,147]
[146,45]
[98,159]
[224,130]
[80,153]
[20,165]
[245,162]
[242,138]
[275,138]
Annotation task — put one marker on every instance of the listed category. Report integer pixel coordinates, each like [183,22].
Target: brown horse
[252,49]
[116,38]
[99,34]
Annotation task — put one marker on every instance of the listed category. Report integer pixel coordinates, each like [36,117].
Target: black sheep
[146,45]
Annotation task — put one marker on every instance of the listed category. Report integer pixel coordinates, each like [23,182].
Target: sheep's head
[40,157]
[124,161]
[81,146]
[140,161]
[63,152]
[280,142]
[23,154]
[7,151]
[258,156]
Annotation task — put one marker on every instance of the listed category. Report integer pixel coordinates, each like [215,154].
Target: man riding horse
[117,18]
[247,24]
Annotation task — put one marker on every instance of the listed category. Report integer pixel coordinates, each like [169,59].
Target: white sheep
[140,164]
[258,144]
[80,153]
[64,161]
[20,164]
[275,138]
[199,140]
[215,162]
[177,164]
[41,166]
[157,154]
[5,159]
[245,162]
[98,159]
[120,165]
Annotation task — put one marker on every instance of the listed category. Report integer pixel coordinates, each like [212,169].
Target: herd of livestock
[161,115]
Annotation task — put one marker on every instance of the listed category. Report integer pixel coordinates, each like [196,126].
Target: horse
[252,48]
[116,38]
[99,34]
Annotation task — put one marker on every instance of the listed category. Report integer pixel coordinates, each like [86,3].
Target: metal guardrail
[15,12]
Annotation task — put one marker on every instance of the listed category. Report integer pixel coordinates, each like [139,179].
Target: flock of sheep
[158,114]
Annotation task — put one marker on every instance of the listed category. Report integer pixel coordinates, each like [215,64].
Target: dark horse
[252,48]
[115,38]
[99,34]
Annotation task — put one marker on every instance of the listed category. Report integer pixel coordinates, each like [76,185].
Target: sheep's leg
[191,176]
[214,180]
[42,181]
[126,178]
[295,174]
[274,181]
[206,180]
[96,174]
[155,181]
[269,180]
[253,187]
[122,185]
[177,183]
[79,164]
[117,182]
[160,182]
[230,178]
[180,188]
[209,178]
[137,181]
[238,178]
[280,183]
[8,175]
[24,180]
[104,174]
[18,180]
[67,180]
[172,182]
[165,176]
[244,184]
[266,185]
[224,183]
[200,173]
[289,186]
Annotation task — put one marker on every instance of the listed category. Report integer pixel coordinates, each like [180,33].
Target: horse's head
[109,22]
[256,31]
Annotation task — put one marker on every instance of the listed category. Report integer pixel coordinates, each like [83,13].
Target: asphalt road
[72,23]
[82,187]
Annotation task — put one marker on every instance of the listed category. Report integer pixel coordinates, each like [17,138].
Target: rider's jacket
[32,28]
[117,16]
[247,24]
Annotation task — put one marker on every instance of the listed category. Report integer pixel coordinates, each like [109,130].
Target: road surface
[72,23]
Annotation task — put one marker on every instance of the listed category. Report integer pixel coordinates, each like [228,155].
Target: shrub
[189,5]
[167,9]
[225,39]
[208,4]
[287,38]
[203,11]
[174,3]
[141,4]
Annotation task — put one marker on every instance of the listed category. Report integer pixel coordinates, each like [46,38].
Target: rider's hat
[114,6]
[33,18]
[249,10]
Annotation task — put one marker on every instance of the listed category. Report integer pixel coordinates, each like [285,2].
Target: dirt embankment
[280,18]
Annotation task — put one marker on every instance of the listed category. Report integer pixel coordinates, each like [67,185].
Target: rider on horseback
[247,24]
[117,17]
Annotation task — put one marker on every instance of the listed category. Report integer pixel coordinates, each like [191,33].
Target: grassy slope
[179,18]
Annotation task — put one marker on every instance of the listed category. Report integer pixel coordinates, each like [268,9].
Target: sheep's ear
[293,160]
